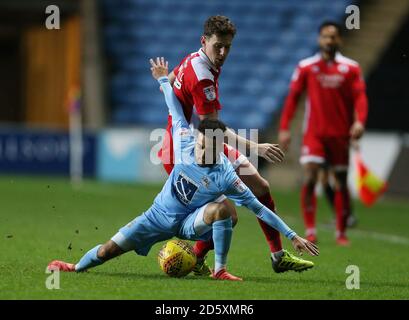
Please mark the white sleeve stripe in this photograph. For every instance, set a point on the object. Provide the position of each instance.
(201, 70)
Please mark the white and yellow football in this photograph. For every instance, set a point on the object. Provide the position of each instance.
(176, 258)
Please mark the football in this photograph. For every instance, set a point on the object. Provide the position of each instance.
(176, 258)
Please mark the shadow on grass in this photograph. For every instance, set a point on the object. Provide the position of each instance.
(148, 276)
(289, 282)
(273, 280)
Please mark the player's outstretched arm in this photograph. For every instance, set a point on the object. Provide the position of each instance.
(241, 194)
(159, 69)
(271, 152)
(269, 217)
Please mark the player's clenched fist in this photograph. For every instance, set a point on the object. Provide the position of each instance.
(159, 68)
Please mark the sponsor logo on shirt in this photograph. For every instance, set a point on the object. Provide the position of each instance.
(184, 188)
(177, 84)
(210, 93)
(184, 132)
(330, 80)
(239, 186)
(205, 182)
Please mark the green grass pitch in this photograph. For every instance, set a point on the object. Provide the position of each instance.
(42, 219)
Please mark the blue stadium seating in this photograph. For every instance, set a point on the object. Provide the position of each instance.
(272, 37)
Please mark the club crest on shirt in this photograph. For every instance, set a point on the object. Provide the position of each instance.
(343, 68)
(210, 93)
(239, 186)
(205, 182)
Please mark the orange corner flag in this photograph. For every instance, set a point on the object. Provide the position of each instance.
(370, 187)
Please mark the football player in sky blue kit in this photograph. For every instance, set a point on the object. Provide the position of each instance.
(188, 207)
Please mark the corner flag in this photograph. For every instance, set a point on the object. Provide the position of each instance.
(370, 187)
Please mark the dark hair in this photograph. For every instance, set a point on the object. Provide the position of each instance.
(330, 23)
(211, 124)
(219, 25)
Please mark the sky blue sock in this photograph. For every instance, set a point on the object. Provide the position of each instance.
(89, 260)
(222, 233)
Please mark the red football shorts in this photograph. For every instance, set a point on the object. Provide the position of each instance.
(333, 151)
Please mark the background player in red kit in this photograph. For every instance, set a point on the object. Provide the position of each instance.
(336, 111)
(195, 83)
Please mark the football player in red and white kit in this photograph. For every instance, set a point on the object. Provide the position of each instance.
(336, 112)
(195, 83)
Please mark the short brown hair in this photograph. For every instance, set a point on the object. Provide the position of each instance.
(211, 124)
(219, 25)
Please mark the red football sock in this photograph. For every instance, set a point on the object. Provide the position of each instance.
(342, 209)
(309, 209)
(271, 234)
(201, 248)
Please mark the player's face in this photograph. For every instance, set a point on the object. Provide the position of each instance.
(217, 48)
(329, 39)
(207, 150)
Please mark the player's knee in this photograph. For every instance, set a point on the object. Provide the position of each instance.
(341, 180)
(234, 218)
(311, 171)
(221, 212)
(341, 185)
(108, 251)
(310, 183)
(103, 252)
(310, 179)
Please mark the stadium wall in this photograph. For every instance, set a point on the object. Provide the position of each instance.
(119, 155)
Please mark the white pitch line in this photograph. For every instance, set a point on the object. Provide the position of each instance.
(381, 236)
(391, 238)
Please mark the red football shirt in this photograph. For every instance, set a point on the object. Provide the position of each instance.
(196, 87)
(196, 84)
(335, 96)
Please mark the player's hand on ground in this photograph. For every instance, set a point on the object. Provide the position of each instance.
(271, 152)
(159, 68)
(284, 139)
(357, 130)
(303, 245)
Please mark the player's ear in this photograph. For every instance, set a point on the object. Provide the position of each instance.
(203, 40)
